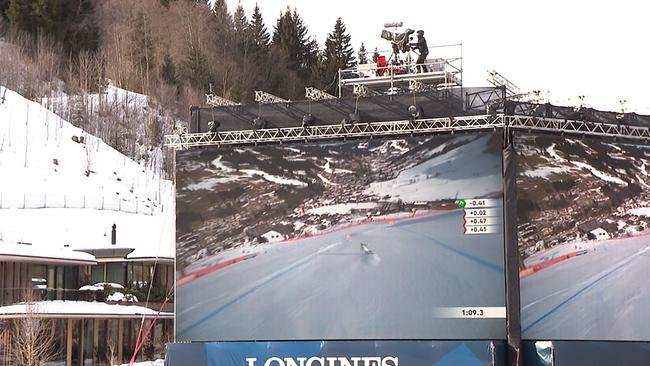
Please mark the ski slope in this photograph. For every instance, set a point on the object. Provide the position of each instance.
(324, 287)
(466, 170)
(602, 295)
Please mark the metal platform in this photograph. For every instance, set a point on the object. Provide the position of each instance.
(400, 72)
(392, 80)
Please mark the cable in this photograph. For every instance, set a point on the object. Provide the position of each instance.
(151, 280)
(140, 342)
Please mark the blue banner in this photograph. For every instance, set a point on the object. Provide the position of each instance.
(338, 353)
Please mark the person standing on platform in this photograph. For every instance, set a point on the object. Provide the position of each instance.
(423, 49)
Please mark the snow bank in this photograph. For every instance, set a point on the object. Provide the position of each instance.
(157, 362)
(341, 208)
(640, 211)
(118, 296)
(274, 178)
(545, 171)
(60, 307)
(600, 174)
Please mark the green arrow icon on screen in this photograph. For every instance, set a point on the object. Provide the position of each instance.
(461, 203)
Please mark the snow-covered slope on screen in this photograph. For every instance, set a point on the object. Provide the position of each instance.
(62, 186)
(445, 176)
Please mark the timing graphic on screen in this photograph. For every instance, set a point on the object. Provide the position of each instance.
(584, 213)
(365, 239)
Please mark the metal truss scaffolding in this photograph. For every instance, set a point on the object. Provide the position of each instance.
(265, 98)
(587, 128)
(312, 93)
(217, 101)
(408, 127)
(338, 131)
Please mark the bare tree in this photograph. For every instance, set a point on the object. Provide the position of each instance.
(32, 339)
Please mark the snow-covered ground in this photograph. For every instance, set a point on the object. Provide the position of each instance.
(59, 307)
(341, 208)
(62, 187)
(157, 362)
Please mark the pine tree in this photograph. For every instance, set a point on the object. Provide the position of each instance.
(290, 37)
(259, 34)
(28, 15)
(69, 21)
(239, 19)
(168, 71)
(222, 25)
(242, 29)
(375, 55)
(241, 89)
(195, 67)
(338, 53)
(363, 55)
(4, 5)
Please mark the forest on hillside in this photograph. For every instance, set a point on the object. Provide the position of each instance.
(169, 50)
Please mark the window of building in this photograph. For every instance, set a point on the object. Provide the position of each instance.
(139, 274)
(97, 273)
(116, 273)
(38, 275)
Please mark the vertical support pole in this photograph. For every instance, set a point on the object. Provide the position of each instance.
(68, 343)
(82, 339)
(461, 68)
(511, 252)
(120, 339)
(95, 341)
(11, 268)
(339, 83)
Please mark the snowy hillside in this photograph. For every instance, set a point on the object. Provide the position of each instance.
(566, 183)
(73, 187)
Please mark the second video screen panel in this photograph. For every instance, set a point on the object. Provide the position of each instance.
(584, 211)
(366, 239)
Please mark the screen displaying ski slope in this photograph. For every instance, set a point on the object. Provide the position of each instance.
(584, 213)
(364, 239)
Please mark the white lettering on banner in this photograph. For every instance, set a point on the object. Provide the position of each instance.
(372, 361)
(292, 362)
(320, 360)
(345, 362)
(327, 361)
(278, 361)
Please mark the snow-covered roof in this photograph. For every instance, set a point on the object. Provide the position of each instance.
(78, 309)
(13, 252)
(57, 191)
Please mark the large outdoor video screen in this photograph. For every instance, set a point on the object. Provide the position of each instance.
(364, 239)
(584, 211)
